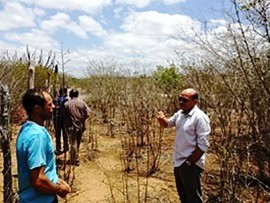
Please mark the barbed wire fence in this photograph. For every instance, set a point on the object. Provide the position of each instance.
(8, 194)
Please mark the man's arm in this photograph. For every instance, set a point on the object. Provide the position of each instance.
(86, 110)
(203, 130)
(162, 119)
(196, 155)
(40, 182)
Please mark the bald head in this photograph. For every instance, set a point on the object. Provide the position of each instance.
(188, 99)
(190, 93)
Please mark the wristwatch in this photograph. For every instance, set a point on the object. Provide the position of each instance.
(188, 163)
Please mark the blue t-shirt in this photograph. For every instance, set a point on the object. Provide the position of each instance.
(34, 148)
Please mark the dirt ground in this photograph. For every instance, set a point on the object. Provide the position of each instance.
(91, 182)
(99, 177)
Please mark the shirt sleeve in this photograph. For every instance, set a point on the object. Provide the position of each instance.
(203, 130)
(172, 120)
(36, 152)
(86, 110)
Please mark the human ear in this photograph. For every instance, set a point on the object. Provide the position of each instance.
(37, 108)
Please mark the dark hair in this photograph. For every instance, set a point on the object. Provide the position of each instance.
(62, 91)
(195, 96)
(31, 98)
(73, 93)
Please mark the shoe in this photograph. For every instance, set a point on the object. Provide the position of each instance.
(65, 150)
(77, 162)
(57, 152)
(74, 163)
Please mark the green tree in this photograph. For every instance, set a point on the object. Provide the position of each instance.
(170, 83)
(167, 78)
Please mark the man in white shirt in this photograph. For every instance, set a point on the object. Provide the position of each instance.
(192, 130)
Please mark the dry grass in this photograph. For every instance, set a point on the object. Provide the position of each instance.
(101, 178)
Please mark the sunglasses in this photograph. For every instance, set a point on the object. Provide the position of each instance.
(182, 99)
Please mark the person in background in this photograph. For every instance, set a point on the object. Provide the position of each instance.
(192, 129)
(76, 112)
(58, 121)
(37, 177)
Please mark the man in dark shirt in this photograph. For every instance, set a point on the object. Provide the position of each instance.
(59, 121)
(76, 112)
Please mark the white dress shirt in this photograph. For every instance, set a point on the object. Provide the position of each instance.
(192, 130)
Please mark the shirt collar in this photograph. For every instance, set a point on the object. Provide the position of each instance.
(191, 112)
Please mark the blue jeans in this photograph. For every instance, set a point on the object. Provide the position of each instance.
(188, 183)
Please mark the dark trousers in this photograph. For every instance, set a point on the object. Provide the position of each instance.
(188, 183)
(74, 137)
(59, 130)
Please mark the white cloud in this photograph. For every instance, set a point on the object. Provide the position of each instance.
(137, 3)
(144, 3)
(74, 28)
(169, 2)
(36, 38)
(63, 21)
(149, 36)
(55, 22)
(88, 6)
(159, 24)
(129, 43)
(118, 11)
(215, 23)
(218, 21)
(15, 15)
(152, 50)
(8, 48)
(91, 25)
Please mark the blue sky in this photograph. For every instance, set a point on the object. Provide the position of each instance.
(125, 31)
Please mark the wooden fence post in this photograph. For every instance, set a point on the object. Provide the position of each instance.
(5, 143)
(31, 75)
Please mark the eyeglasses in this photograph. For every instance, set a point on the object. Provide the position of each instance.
(182, 99)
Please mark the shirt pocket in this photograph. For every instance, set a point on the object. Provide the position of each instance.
(189, 128)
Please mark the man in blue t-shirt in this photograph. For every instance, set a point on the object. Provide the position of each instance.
(37, 177)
